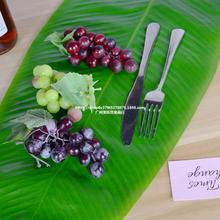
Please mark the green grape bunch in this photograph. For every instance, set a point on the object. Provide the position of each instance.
(44, 76)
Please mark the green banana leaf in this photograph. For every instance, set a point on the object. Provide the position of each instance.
(66, 191)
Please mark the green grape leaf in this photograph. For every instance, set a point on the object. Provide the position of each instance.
(57, 39)
(77, 89)
(33, 118)
(18, 132)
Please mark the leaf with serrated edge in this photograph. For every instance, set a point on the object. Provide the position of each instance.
(77, 89)
(34, 118)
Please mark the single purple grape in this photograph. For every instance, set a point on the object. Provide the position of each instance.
(105, 60)
(83, 53)
(80, 31)
(84, 159)
(91, 62)
(125, 54)
(64, 124)
(87, 133)
(74, 60)
(45, 152)
(115, 51)
(96, 169)
(91, 36)
(86, 147)
(73, 150)
(39, 135)
(84, 42)
(34, 146)
(73, 47)
(76, 138)
(109, 43)
(95, 143)
(102, 155)
(98, 51)
(67, 31)
(58, 154)
(130, 66)
(64, 134)
(99, 39)
(115, 65)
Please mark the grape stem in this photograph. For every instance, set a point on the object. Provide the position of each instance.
(39, 161)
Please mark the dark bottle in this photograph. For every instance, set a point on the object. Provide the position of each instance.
(8, 32)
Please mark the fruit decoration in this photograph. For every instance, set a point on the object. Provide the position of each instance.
(81, 45)
(46, 139)
(58, 90)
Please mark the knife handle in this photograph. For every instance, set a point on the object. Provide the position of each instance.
(150, 37)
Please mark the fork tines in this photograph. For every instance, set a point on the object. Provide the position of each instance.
(149, 118)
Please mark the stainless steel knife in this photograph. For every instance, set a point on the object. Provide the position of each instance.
(131, 112)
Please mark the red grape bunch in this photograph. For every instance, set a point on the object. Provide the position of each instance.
(96, 49)
(56, 141)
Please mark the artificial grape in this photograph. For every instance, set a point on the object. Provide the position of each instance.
(102, 155)
(64, 124)
(53, 107)
(41, 98)
(83, 53)
(109, 43)
(105, 60)
(87, 133)
(58, 154)
(73, 150)
(96, 169)
(80, 31)
(58, 75)
(76, 138)
(86, 147)
(84, 159)
(98, 51)
(52, 95)
(130, 66)
(115, 51)
(65, 104)
(91, 62)
(125, 54)
(36, 71)
(34, 146)
(84, 42)
(43, 70)
(42, 128)
(99, 39)
(115, 65)
(91, 36)
(50, 127)
(64, 134)
(91, 46)
(95, 143)
(74, 60)
(68, 43)
(41, 82)
(73, 47)
(74, 114)
(39, 135)
(45, 152)
(67, 31)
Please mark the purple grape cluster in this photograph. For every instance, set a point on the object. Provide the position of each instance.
(55, 141)
(96, 49)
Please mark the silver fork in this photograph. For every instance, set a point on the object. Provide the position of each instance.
(154, 99)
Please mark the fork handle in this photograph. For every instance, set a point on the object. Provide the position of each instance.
(175, 39)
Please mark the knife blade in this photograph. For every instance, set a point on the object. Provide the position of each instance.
(131, 112)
